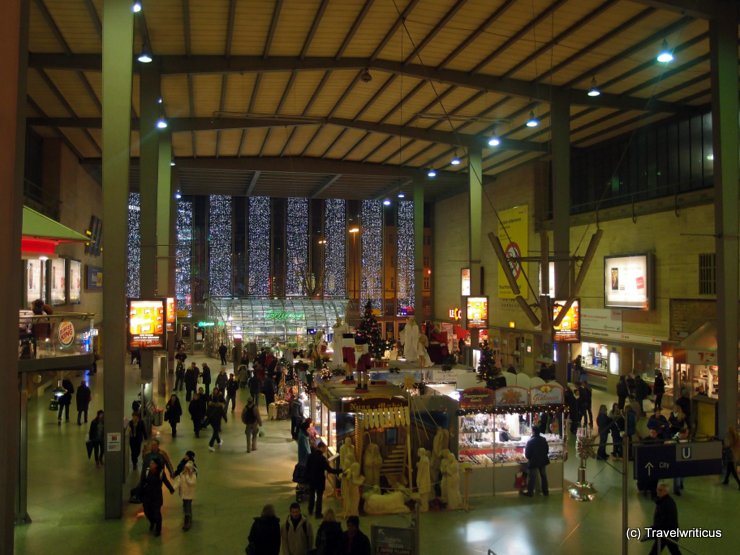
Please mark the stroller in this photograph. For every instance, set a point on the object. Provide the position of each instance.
(301, 488)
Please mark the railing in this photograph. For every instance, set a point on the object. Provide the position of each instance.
(52, 340)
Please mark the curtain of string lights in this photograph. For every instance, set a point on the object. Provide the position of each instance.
(296, 232)
(335, 235)
(259, 246)
(371, 274)
(184, 254)
(405, 254)
(220, 264)
(133, 281)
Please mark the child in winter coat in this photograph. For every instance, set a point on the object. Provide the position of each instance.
(187, 474)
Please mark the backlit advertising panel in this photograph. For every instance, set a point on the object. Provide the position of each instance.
(477, 313)
(569, 330)
(74, 282)
(465, 282)
(146, 323)
(57, 280)
(628, 281)
(171, 314)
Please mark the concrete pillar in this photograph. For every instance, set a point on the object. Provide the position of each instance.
(475, 180)
(118, 37)
(724, 61)
(560, 130)
(13, 63)
(165, 237)
(419, 250)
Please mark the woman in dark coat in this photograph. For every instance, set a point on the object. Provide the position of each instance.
(264, 536)
(136, 436)
(329, 535)
(172, 413)
(197, 409)
(151, 496)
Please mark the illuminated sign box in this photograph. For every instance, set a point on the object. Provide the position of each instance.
(477, 313)
(171, 314)
(628, 281)
(146, 323)
(74, 281)
(569, 330)
(465, 282)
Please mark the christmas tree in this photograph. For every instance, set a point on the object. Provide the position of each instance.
(369, 329)
(486, 365)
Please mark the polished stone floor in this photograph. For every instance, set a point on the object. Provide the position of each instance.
(66, 501)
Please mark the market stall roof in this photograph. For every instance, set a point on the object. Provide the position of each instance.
(703, 338)
(332, 394)
(36, 225)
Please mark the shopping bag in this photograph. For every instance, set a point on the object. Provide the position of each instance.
(53, 404)
(89, 445)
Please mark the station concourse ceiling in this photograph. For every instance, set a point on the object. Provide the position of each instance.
(356, 99)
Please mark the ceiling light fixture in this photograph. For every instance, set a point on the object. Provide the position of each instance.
(455, 160)
(532, 121)
(594, 90)
(401, 194)
(172, 163)
(366, 76)
(665, 56)
(710, 157)
(494, 141)
(161, 123)
(145, 57)
(178, 195)
(136, 7)
(387, 202)
(431, 173)
(160, 100)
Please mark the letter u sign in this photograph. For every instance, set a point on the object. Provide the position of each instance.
(686, 452)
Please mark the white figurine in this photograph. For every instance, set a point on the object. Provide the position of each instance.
(452, 478)
(351, 482)
(424, 359)
(410, 341)
(423, 479)
(377, 503)
(372, 462)
(441, 441)
(443, 462)
(347, 453)
(340, 328)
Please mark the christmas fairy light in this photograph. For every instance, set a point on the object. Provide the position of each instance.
(405, 254)
(296, 231)
(259, 246)
(371, 279)
(184, 255)
(335, 235)
(133, 280)
(219, 245)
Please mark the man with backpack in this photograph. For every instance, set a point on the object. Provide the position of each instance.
(297, 535)
(252, 422)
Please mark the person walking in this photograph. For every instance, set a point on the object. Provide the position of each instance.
(187, 474)
(172, 413)
(255, 386)
(329, 535)
(197, 409)
(232, 386)
(97, 437)
(536, 452)
(730, 455)
(316, 468)
(215, 412)
(584, 404)
(296, 534)
(268, 388)
(151, 495)
(574, 416)
(604, 423)
(191, 381)
(264, 535)
(83, 397)
(617, 427)
(304, 443)
(659, 389)
(354, 542)
(622, 392)
(206, 373)
(252, 422)
(296, 416)
(65, 400)
(221, 380)
(222, 350)
(157, 454)
(665, 519)
(642, 391)
(179, 375)
(136, 436)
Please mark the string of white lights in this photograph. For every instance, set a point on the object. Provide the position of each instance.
(184, 255)
(259, 247)
(371, 270)
(220, 264)
(405, 255)
(335, 235)
(133, 266)
(296, 231)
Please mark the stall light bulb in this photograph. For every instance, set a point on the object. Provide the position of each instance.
(161, 123)
(145, 57)
(387, 202)
(431, 173)
(665, 56)
(532, 121)
(594, 90)
(494, 141)
(401, 194)
(136, 8)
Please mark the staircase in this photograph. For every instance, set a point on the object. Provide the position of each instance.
(394, 467)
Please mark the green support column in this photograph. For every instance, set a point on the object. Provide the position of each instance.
(118, 37)
(475, 178)
(724, 61)
(148, 185)
(13, 38)
(164, 238)
(560, 130)
(419, 250)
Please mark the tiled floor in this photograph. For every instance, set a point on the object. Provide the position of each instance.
(66, 502)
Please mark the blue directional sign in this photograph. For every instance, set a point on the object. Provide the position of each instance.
(669, 460)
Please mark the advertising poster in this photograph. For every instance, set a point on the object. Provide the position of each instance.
(171, 314)
(477, 398)
(388, 540)
(146, 324)
(477, 313)
(58, 280)
(94, 278)
(569, 330)
(74, 281)
(513, 232)
(465, 282)
(33, 281)
(627, 281)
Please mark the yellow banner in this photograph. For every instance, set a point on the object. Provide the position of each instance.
(513, 232)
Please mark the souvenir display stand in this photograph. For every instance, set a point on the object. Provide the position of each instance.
(378, 415)
(493, 430)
